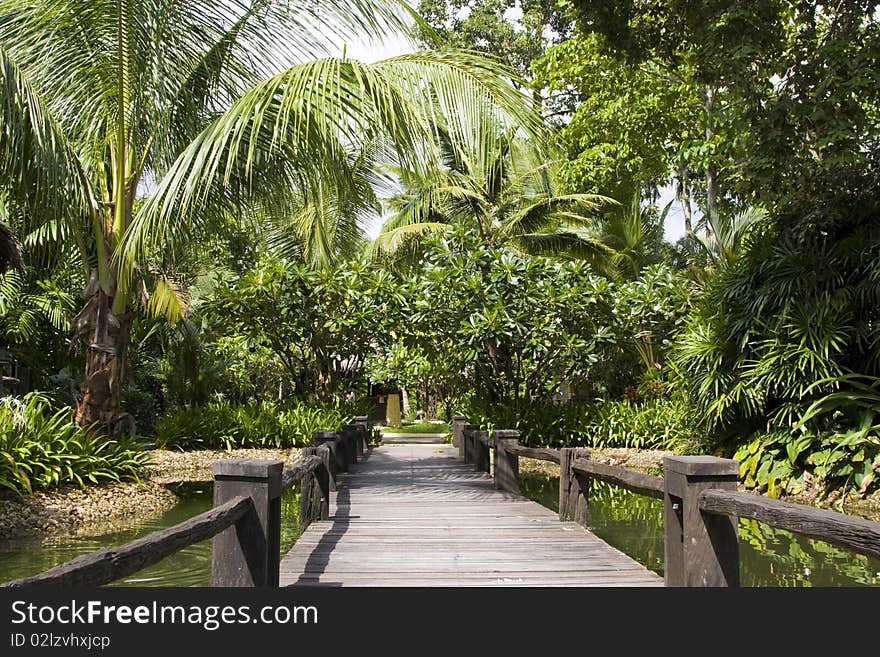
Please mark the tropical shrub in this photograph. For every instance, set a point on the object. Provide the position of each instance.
(835, 445)
(777, 327)
(812, 463)
(662, 423)
(221, 425)
(318, 325)
(43, 448)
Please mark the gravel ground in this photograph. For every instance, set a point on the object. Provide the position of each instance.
(113, 507)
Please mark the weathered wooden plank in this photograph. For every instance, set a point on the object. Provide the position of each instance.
(414, 515)
(856, 534)
(294, 475)
(539, 453)
(104, 566)
(629, 479)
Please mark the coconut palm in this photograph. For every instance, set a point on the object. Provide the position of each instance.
(503, 188)
(131, 125)
(633, 232)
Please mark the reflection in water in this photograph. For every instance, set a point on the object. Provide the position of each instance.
(189, 567)
(768, 556)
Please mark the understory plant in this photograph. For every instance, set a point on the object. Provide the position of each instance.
(222, 425)
(43, 448)
(835, 445)
(662, 423)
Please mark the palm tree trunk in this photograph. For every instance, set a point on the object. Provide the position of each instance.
(107, 336)
(683, 192)
(711, 170)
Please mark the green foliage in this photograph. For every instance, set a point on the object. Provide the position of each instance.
(786, 462)
(422, 427)
(503, 188)
(221, 425)
(628, 124)
(42, 449)
(142, 406)
(321, 325)
(485, 26)
(510, 327)
(775, 329)
(654, 424)
(836, 444)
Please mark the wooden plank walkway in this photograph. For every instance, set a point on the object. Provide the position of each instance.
(416, 515)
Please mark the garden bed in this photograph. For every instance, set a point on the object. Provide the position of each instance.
(104, 508)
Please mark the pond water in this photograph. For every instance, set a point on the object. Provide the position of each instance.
(189, 567)
(632, 523)
(768, 557)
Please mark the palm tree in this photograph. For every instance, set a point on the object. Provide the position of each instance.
(726, 234)
(134, 124)
(501, 186)
(632, 233)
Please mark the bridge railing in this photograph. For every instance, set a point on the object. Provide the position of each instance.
(244, 523)
(701, 503)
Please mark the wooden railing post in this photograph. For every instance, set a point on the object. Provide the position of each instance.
(700, 549)
(482, 451)
(574, 488)
(506, 462)
(458, 422)
(248, 554)
(468, 433)
(330, 455)
(351, 436)
(363, 424)
(314, 502)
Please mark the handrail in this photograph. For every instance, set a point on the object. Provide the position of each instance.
(109, 564)
(247, 496)
(539, 453)
(295, 474)
(624, 477)
(857, 534)
(701, 503)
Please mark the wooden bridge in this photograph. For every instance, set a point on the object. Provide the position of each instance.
(418, 515)
(439, 515)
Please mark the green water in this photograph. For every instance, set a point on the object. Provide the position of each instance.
(189, 567)
(768, 557)
(630, 522)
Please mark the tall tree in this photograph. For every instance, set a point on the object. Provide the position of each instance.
(668, 77)
(517, 31)
(135, 123)
(505, 191)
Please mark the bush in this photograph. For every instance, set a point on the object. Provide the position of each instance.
(652, 424)
(221, 425)
(143, 408)
(793, 462)
(42, 449)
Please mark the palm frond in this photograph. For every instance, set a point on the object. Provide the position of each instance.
(310, 114)
(570, 244)
(38, 165)
(167, 300)
(577, 210)
(392, 240)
